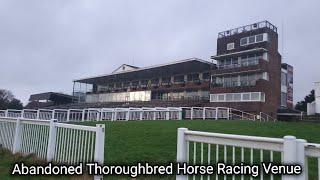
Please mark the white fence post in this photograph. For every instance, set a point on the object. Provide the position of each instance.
(191, 113)
(180, 114)
(53, 113)
(294, 153)
(167, 115)
(302, 160)
(17, 137)
(217, 109)
(99, 147)
(6, 113)
(181, 150)
(52, 140)
(83, 114)
(68, 115)
(38, 113)
(204, 113)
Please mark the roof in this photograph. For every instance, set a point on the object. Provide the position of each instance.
(48, 96)
(125, 67)
(176, 67)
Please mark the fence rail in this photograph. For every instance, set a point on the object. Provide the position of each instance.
(97, 114)
(144, 113)
(53, 141)
(194, 147)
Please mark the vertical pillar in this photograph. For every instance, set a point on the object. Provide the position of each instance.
(302, 160)
(53, 113)
(204, 113)
(83, 114)
(99, 147)
(128, 114)
(17, 137)
(180, 114)
(68, 115)
(294, 153)
(217, 109)
(191, 113)
(38, 113)
(167, 114)
(228, 113)
(181, 150)
(6, 113)
(51, 140)
(22, 113)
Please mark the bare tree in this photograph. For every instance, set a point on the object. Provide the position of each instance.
(8, 101)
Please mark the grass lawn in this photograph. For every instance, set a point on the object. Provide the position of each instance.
(155, 141)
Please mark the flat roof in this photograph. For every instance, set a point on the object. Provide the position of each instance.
(184, 66)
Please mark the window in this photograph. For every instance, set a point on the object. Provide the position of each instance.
(255, 96)
(221, 97)
(230, 46)
(246, 96)
(213, 97)
(229, 97)
(243, 41)
(259, 38)
(251, 39)
(238, 97)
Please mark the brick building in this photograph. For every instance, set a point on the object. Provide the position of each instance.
(248, 76)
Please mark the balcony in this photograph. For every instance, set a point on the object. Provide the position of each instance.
(256, 65)
(244, 63)
(250, 27)
(236, 84)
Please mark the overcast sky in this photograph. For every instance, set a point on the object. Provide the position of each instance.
(44, 45)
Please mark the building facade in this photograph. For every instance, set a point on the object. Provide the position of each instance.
(248, 76)
(187, 79)
(248, 73)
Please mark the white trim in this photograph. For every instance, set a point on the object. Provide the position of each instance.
(265, 38)
(230, 46)
(261, 97)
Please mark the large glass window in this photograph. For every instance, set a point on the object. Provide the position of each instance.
(238, 97)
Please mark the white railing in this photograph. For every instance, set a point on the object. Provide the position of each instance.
(194, 147)
(53, 141)
(97, 114)
(216, 113)
(144, 113)
(2, 113)
(263, 117)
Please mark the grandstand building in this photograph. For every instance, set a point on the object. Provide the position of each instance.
(248, 75)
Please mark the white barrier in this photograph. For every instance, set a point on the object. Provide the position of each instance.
(53, 141)
(194, 147)
(144, 113)
(216, 113)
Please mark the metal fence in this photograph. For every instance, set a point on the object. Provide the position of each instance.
(194, 147)
(53, 141)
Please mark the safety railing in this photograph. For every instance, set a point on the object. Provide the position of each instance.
(263, 117)
(53, 141)
(144, 113)
(216, 113)
(203, 148)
